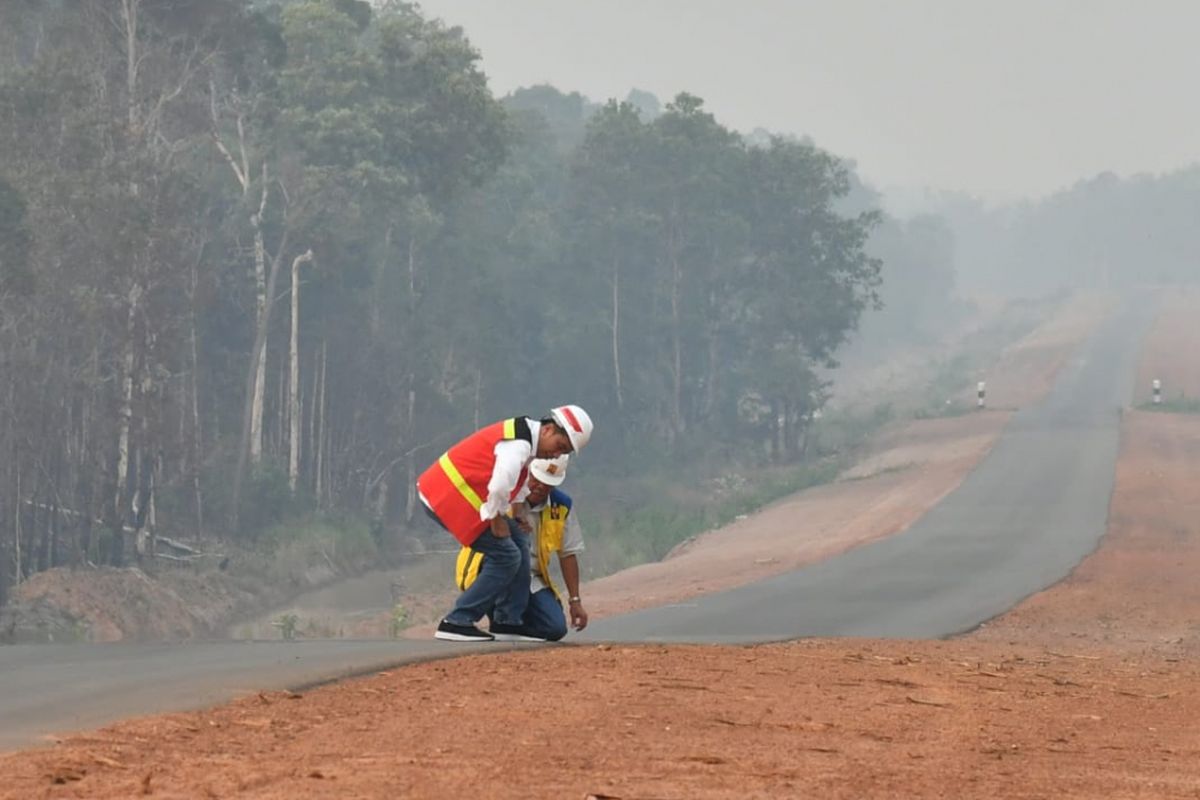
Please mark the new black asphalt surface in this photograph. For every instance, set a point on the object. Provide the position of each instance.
(46, 688)
(1032, 510)
(1021, 521)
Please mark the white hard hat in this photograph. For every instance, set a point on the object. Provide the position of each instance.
(550, 471)
(576, 422)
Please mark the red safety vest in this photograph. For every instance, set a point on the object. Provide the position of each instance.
(455, 486)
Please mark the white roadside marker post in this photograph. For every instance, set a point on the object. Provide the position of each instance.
(981, 393)
(1156, 386)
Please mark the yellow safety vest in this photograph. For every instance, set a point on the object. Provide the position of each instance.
(549, 539)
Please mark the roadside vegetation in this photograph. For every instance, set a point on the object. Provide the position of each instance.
(1179, 404)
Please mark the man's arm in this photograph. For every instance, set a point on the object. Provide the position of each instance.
(520, 513)
(511, 457)
(570, 572)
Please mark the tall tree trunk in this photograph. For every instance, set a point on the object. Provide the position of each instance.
(710, 385)
(129, 15)
(377, 298)
(197, 434)
(92, 402)
(320, 459)
(478, 398)
(260, 343)
(410, 458)
(278, 429)
(382, 496)
(310, 444)
(294, 377)
(124, 420)
(240, 167)
(616, 335)
(779, 426)
(410, 471)
(260, 366)
(144, 493)
(676, 345)
(130, 10)
(18, 572)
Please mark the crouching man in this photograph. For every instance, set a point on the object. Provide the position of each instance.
(468, 492)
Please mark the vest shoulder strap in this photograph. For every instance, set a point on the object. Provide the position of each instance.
(560, 498)
(518, 428)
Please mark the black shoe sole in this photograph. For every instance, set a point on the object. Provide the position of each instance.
(462, 637)
(516, 637)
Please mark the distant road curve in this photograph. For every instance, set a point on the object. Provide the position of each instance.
(1024, 517)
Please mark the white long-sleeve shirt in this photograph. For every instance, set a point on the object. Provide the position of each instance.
(512, 456)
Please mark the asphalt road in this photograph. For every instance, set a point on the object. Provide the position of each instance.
(61, 687)
(1021, 521)
(1031, 511)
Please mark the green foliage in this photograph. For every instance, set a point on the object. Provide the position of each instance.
(472, 258)
(565, 115)
(942, 397)
(719, 276)
(918, 279)
(267, 500)
(16, 242)
(1102, 232)
(399, 620)
(287, 625)
(323, 544)
(655, 512)
(839, 432)
(1180, 404)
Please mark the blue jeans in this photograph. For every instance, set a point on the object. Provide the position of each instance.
(544, 616)
(502, 586)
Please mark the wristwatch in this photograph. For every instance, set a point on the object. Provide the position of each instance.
(575, 600)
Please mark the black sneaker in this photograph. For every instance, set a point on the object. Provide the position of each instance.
(461, 633)
(513, 633)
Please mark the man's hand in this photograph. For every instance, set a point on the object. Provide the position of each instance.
(499, 527)
(520, 514)
(579, 617)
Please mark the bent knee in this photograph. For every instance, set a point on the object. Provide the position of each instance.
(507, 557)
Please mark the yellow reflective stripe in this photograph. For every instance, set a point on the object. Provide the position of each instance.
(469, 566)
(459, 481)
(464, 559)
(548, 545)
(510, 429)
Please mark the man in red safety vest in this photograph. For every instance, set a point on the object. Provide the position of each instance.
(468, 492)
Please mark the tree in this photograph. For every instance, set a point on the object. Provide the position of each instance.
(15, 242)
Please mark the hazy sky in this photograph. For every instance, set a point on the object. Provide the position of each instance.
(1002, 99)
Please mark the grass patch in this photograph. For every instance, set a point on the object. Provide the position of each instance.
(295, 550)
(646, 531)
(638, 519)
(842, 430)
(1175, 405)
(943, 394)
